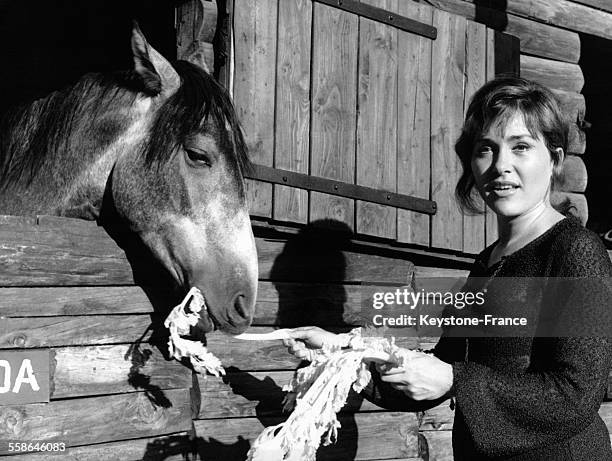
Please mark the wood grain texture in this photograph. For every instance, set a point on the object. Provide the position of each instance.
(574, 176)
(278, 303)
(237, 355)
(175, 447)
(241, 394)
(97, 370)
(438, 445)
(448, 68)
(439, 418)
(492, 71)
(48, 255)
(255, 39)
(361, 437)
(292, 124)
(80, 252)
(553, 74)
(334, 109)
(414, 123)
(53, 301)
(536, 38)
(563, 13)
(72, 331)
(377, 121)
(97, 419)
(475, 77)
(599, 4)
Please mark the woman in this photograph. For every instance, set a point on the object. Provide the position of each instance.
(535, 395)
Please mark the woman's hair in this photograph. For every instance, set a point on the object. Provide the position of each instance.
(496, 103)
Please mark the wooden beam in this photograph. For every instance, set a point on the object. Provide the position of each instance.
(562, 13)
(553, 74)
(98, 419)
(361, 437)
(537, 39)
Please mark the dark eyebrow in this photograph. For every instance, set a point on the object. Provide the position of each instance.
(520, 136)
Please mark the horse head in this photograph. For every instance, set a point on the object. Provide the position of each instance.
(183, 192)
(166, 151)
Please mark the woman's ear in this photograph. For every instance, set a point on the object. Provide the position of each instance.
(558, 158)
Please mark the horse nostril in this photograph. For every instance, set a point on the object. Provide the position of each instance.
(241, 306)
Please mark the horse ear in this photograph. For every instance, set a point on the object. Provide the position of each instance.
(156, 72)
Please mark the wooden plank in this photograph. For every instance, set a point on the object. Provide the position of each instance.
(71, 331)
(577, 140)
(536, 39)
(361, 437)
(574, 176)
(475, 77)
(53, 301)
(277, 302)
(376, 156)
(45, 256)
(97, 370)
(492, 71)
(255, 39)
(414, 123)
(237, 355)
(78, 253)
(333, 116)
(297, 304)
(196, 21)
(448, 68)
(578, 202)
(241, 394)
(599, 4)
(553, 74)
(292, 124)
(313, 257)
(176, 447)
(563, 13)
(97, 419)
(438, 418)
(438, 445)
(572, 104)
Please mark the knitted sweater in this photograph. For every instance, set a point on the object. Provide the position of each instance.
(532, 398)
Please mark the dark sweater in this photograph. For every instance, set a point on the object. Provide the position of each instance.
(532, 398)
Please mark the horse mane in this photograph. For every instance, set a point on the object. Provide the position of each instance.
(31, 133)
(198, 98)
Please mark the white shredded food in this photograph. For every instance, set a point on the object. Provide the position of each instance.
(317, 392)
(183, 316)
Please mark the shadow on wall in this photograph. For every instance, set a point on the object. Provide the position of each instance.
(596, 64)
(307, 275)
(48, 45)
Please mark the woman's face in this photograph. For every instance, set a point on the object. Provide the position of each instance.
(512, 169)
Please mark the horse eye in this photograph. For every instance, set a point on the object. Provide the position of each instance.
(198, 158)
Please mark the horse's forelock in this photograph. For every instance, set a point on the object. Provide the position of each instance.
(198, 99)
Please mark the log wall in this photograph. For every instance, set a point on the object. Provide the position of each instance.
(550, 36)
(66, 287)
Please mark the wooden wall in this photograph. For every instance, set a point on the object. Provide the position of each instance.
(328, 93)
(66, 287)
(551, 33)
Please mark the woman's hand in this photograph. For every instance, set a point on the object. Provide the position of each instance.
(425, 377)
(305, 339)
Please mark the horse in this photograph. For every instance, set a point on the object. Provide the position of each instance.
(159, 149)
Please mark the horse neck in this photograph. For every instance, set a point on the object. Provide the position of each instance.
(71, 179)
